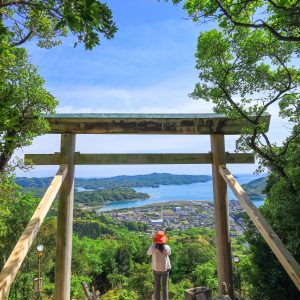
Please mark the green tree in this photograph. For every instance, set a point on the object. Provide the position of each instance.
(176, 291)
(22, 287)
(23, 101)
(141, 281)
(187, 255)
(120, 295)
(278, 17)
(282, 211)
(243, 73)
(12, 221)
(206, 275)
(46, 21)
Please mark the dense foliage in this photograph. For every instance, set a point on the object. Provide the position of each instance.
(243, 73)
(47, 21)
(282, 211)
(23, 101)
(16, 209)
(280, 18)
(112, 258)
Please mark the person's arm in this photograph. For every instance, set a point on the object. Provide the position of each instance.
(167, 250)
(150, 250)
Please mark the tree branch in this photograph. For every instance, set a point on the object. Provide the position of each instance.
(278, 96)
(263, 25)
(272, 160)
(21, 2)
(23, 40)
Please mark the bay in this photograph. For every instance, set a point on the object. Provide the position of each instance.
(200, 191)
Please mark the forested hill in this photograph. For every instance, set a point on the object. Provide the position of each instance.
(149, 180)
(255, 188)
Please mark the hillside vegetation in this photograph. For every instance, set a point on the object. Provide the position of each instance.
(112, 258)
(255, 189)
(149, 180)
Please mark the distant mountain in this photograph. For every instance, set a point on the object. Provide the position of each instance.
(33, 182)
(255, 188)
(149, 180)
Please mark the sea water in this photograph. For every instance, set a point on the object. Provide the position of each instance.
(200, 191)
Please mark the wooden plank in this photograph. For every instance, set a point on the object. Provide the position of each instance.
(147, 159)
(137, 158)
(223, 243)
(65, 222)
(17, 256)
(240, 158)
(42, 159)
(148, 123)
(282, 253)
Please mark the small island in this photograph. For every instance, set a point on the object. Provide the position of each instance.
(104, 196)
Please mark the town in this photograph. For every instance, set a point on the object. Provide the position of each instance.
(179, 215)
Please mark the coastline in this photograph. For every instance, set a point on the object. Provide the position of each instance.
(177, 202)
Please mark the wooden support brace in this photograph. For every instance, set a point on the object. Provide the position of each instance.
(282, 253)
(17, 256)
(136, 158)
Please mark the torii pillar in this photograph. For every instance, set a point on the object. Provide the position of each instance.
(223, 243)
(65, 221)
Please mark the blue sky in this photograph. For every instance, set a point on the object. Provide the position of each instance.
(147, 68)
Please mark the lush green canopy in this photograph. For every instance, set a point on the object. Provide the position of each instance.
(46, 21)
(23, 101)
(244, 72)
(279, 17)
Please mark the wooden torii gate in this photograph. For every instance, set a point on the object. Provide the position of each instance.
(68, 125)
(215, 125)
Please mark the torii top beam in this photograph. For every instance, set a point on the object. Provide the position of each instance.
(149, 124)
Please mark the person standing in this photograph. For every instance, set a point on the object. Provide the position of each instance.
(160, 264)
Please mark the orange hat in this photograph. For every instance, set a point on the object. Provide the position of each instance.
(160, 238)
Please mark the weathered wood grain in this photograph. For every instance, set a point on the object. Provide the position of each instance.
(223, 242)
(65, 222)
(148, 124)
(137, 158)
